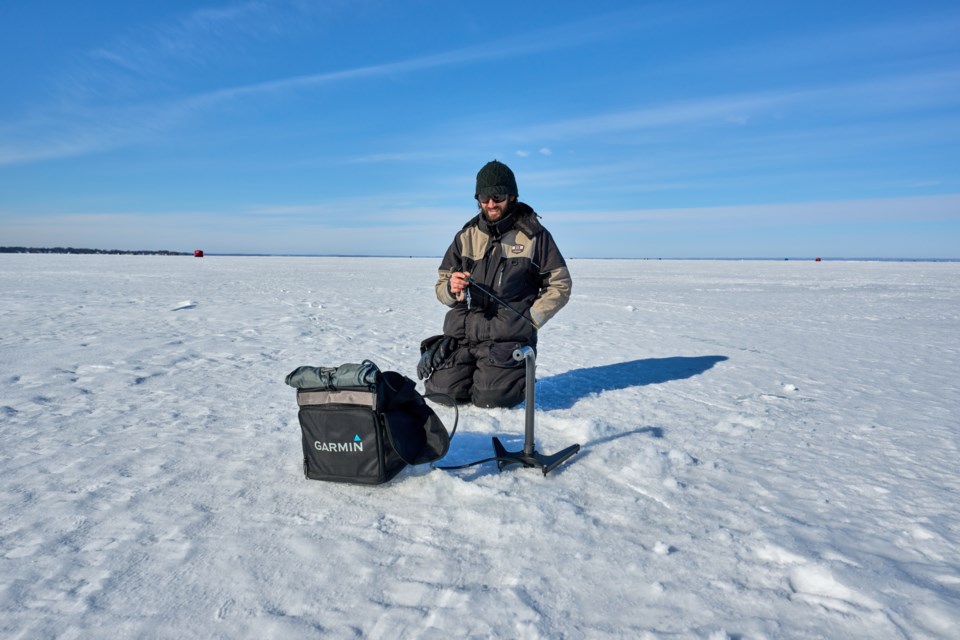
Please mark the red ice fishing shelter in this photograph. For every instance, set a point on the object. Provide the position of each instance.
(198, 253)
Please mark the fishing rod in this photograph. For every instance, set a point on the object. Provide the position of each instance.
(500, 300)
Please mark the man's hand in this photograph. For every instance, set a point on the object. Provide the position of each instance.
(459, 284)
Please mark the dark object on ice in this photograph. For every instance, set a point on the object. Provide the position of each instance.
(198, 253)
(363, 426)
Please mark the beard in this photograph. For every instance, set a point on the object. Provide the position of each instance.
(500, 210)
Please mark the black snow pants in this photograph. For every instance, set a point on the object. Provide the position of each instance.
(485, 374)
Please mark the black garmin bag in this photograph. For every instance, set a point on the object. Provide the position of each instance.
(363, 426)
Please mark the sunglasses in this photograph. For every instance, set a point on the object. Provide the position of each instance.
(495, 197)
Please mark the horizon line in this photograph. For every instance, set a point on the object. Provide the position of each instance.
(190, 254)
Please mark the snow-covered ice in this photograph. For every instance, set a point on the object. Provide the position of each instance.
(769, 451)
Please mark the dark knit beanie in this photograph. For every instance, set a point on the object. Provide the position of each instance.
(496, 179)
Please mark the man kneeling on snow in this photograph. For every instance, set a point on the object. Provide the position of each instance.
(521, 282)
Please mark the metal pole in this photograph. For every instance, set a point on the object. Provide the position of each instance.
(529, 456)
(527, 354)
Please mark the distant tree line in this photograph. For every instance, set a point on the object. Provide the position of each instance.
(112, 252)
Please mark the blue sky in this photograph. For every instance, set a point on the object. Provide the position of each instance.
(636, 129)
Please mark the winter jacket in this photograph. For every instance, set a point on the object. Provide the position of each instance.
(518, 261)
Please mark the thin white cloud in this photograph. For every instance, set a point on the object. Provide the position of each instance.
(260, 230)
(834, 43)
(906, 209)
(81, 130)
(547, 40)
(352, 223)
(929, 90)
(200, 35)
(191, 38)
(397, 156)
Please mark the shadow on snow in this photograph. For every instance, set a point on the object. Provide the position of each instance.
(562, 391)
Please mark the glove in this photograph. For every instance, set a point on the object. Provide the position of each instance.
(427, 351)
(433, 352)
